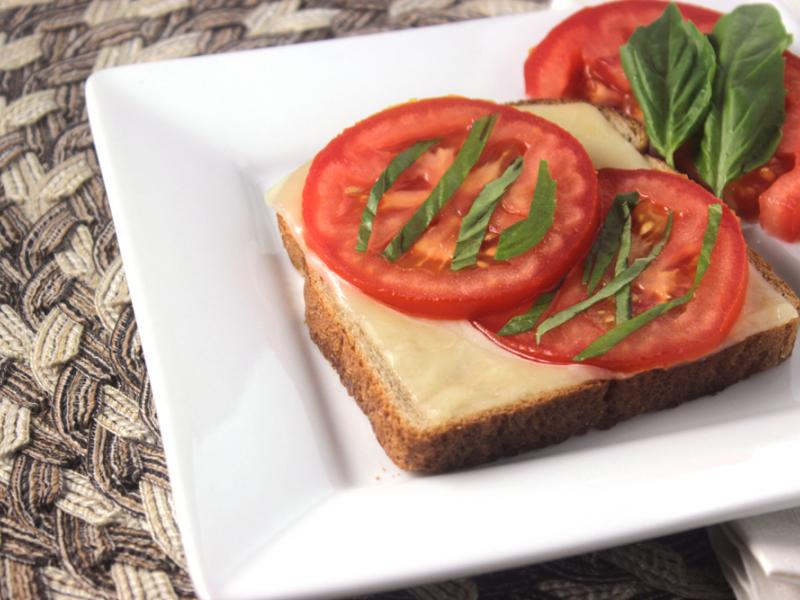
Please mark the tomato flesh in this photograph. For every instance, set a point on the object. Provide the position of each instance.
(682, 334)
(421, 281)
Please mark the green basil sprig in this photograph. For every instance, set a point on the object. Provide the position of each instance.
(608, 240)
(525, 234)
(612, 337)
(671, 67)
(385, 180)
(610, 289)
(473, 227)
(526, 321)
(743, 128)
(457, 172)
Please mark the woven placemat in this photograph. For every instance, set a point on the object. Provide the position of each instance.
(85, 503)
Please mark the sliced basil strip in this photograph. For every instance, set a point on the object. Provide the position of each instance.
(671, 67)
(709, 241)
(385, 180)
(526, 321)
(612, 337)
(473, 227)
(623, 297)
(524, 235)
(610, 289)
(608, 240)
(457, 172)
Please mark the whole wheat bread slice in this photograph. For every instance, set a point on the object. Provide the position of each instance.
(529, 422)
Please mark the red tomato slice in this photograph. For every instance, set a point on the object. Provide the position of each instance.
(681, 335)
(579, 58)
(421, 281)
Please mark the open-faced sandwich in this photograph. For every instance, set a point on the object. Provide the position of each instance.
(489, 279)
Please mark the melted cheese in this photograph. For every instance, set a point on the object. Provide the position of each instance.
(604, 145)
(449, 368)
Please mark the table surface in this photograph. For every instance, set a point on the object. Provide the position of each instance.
(85, 504)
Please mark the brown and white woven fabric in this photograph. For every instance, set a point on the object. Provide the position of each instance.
(85, 503)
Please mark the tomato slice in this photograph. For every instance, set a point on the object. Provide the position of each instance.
(421, 281)
(682, 334)
(579, 58)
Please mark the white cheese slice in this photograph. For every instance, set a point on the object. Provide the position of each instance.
(451, 369)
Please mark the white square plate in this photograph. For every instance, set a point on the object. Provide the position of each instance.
(279, 487)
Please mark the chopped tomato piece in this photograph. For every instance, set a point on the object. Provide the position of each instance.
(743, 194)
(780, 207)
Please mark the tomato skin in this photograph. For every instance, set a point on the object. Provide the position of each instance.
(579, 58)
(421, 282)
(681, 335)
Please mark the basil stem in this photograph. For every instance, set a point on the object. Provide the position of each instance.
(525, 234)
(671, 66)
(473, 227)
(623, 297)
(612, 337)
(457, 172)
(526, 321)
(608, 240)
(610, 289)
(743, 128)
(385, 180)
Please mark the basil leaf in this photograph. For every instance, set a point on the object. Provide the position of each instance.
(526, 321)
(612, 337)
(610, 289)
(457, 172)
(743, 128)
(399, 164)
(473, 227)
(608, 240)
(623, 297)
(525, 234)
(670, 66)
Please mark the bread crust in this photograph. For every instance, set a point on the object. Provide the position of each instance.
(529, 423)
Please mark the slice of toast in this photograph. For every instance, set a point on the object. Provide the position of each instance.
(528, 422)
